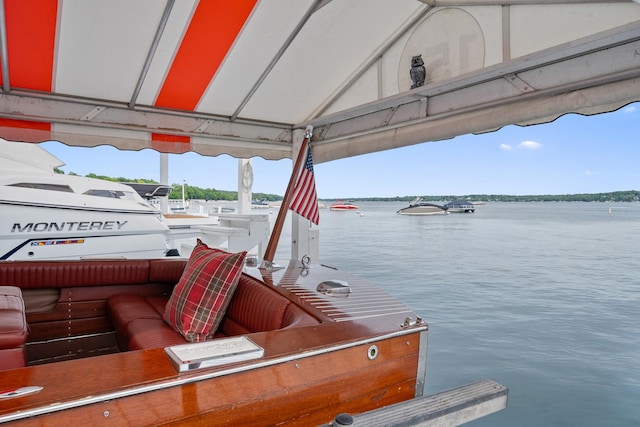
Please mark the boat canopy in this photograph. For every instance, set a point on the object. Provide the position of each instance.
(241, 77)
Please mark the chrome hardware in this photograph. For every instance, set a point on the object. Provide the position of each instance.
(372, 353)
(334, 287)
(308, 133)
(306, 261)
(408, 322)
(270, 266)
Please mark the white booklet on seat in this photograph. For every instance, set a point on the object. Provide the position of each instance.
(187, 357)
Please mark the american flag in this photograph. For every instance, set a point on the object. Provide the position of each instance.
(305, 200)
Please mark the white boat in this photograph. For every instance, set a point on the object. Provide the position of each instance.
(260, 204)
(48, 215)
(343, 206)
(460, 206)
(418, 207)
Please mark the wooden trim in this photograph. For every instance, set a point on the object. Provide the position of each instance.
(71, 348)
(71, 310)
(298, 391)
(68, 328)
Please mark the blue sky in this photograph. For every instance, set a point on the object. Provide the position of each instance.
(574, 154)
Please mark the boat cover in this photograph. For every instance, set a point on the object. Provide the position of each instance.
(242, 77)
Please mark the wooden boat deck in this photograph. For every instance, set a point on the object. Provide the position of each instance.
(363, 301)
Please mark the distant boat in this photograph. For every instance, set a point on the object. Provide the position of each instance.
(260, 204)
(418, 207)
(460, 206)
(346, 206)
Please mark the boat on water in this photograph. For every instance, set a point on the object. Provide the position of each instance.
(418, 207)
(343, 206)
(297, 346)
(260, 204)
(48, 215)
(460, 206)
(90, 339)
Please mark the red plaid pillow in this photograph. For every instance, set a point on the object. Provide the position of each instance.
(202, 295)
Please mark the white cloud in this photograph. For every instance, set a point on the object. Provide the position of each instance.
(505, 147)
(530, 145)
(630, 109)
(589, 173)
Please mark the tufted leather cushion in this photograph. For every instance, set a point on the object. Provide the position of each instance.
(13, 328)
(201, 297)
(254, 308)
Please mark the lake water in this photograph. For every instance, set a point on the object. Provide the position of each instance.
(543, 298)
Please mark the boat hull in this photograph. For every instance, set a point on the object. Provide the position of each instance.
(462, 210)
(422, 210)
(460, 206)
(291, 390)
(343, 207)
(32, 231)
(49, 215)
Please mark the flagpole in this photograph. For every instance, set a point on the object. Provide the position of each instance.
(269, 253)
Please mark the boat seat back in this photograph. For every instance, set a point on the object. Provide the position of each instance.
(13, 328)
(66, 274)
(254, 308)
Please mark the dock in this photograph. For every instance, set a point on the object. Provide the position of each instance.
(453, 407)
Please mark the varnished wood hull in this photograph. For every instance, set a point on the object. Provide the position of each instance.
(143, 388)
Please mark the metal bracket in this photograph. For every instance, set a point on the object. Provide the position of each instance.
(94, 112)
(408, 322)
(518, 83)
(270, 266)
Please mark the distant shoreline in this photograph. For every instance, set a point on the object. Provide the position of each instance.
(192, 192)
(616, 196)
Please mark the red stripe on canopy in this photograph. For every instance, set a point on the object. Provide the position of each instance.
(31, 36)
(213, 29)
(23, 130)
(174, 144)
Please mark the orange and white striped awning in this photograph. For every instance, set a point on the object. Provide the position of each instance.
(242, 76)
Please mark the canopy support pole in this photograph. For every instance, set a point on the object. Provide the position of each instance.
(164, 179)
(245, 186)
(267, 262)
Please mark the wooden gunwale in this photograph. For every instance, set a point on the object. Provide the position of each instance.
(167, 378)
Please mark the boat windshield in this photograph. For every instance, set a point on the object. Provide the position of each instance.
(43, 186)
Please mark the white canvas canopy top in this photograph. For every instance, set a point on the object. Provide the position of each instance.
(242, 77)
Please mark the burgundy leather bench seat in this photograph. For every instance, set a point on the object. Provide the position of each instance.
(13, 328)
(254, 308)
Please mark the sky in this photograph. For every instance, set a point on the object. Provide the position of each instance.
(574, 154)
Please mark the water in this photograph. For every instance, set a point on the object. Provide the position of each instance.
(543, 298)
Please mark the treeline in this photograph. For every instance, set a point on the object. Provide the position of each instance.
(190, 192)
(616, 196)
